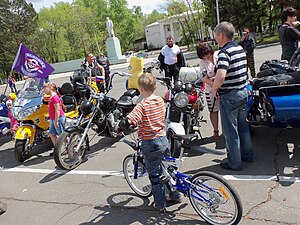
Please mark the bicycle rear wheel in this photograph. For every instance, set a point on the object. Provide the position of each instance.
(222, 205)
(136, 176)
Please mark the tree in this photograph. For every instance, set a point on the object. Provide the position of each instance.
(17, 22)
(189, 15)
(153, 17)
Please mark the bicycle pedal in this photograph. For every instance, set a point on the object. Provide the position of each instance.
(163, 179)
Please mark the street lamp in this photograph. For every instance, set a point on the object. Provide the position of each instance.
(217, 9)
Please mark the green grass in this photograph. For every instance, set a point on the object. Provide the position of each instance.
(267, 40)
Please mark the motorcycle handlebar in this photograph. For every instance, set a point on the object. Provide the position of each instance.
(122, 74)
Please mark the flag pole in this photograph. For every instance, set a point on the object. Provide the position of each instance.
(5, 87)
(11, 70)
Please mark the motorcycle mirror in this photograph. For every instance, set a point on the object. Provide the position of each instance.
(155, 63)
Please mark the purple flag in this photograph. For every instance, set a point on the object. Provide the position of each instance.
(30, 64)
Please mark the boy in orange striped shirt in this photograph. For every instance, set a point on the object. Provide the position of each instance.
(149, 117)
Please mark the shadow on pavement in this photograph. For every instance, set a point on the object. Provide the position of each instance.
(127, 208)
(277, 153)
(103, 144)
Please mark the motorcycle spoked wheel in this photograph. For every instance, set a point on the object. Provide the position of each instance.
(21, 151)
(65, 156)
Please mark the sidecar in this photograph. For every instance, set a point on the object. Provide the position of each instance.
(275, 100)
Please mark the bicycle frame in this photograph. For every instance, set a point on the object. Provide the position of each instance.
(214, 199)
(182, 181)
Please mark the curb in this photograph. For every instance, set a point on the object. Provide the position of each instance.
(268, 45)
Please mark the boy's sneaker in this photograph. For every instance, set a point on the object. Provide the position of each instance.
(161, 210)
(174, 201)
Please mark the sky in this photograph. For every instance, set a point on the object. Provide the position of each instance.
(147, 5)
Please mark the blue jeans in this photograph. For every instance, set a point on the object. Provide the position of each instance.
(235, 127)
(154, 151)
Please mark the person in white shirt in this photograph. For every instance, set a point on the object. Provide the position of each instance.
(171, 59)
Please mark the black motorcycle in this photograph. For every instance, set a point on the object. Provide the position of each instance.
(100, 113)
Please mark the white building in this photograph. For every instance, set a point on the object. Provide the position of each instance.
(157, 33)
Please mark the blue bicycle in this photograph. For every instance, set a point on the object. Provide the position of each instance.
(211, 196)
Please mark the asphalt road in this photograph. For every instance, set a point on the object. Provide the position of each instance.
(38, 193)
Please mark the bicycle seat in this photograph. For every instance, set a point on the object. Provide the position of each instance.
(185, 139)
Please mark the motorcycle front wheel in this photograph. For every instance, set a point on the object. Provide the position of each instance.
(65, 155)
(21, 152)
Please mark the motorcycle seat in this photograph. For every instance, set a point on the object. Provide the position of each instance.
(125, 101)
(68, 99)
(132, 92)
(69, 102)
(185, 139)
(66, 88)
(69, 108)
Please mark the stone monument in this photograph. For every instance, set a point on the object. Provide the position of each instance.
(113, 47)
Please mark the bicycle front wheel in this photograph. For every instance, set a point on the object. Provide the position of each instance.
(136, 176)
(214, 199)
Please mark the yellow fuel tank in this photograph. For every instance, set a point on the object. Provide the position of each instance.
(136, 71)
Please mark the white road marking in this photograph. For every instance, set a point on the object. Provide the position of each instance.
(72, 172)
(118, 173)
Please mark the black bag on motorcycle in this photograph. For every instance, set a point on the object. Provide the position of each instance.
(274, 80)
(273, 67)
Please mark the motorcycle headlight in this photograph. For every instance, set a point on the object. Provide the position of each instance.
(181, 99)
(22, 114)
(15, 111)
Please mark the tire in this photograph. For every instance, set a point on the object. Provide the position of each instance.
(226, 210)
(65, 157)
(141, 184)
(174, 144)
(21, 153)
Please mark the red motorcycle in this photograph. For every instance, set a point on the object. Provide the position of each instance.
(185, 103)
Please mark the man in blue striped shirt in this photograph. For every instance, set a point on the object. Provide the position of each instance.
(229, 86)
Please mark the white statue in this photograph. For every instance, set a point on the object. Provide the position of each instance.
(109, 25)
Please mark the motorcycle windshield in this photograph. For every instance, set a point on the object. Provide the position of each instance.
(29, 99)
(32, 88)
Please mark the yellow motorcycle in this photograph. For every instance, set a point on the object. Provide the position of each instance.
(31, 110)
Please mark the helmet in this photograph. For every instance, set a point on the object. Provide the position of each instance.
(86, 108)
(178, 86)
(188, 87)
